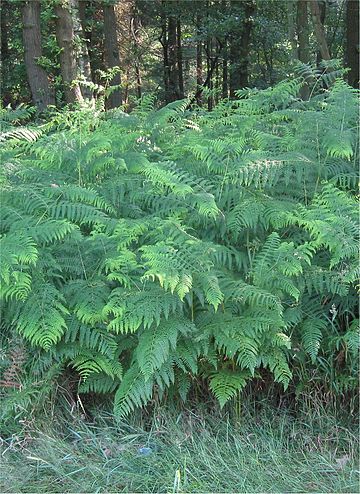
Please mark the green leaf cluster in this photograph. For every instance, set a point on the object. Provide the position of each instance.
(146, 250)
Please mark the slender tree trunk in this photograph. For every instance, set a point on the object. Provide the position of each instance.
(303, 40)
(5, 51)
(217, 75)
(199, 61)
(234, 53)
(134, 32)
(210, 69)
(225, 83)
(352, 41)
(68, 63)
(4, 12)
(322, 11)
(82, 50)
(112, 55)
(240, 48)
(291, 28)
(250, 8)
(174, 90)
(319, 30)
(180, 60)
(165, 45)
(87, 34)
(38, 80)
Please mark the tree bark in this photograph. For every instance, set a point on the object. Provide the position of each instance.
(42, 95)
(291, 28)
(5, 50)
(180, 59)
(302, 24)
(199, 62)
(68, 63)
(225, 87)
(240, 48)
(174, 90)
(134, 32)
(4, 31)
(319, 30)
(112, 55)
(165, 45)
(210, 68)
(352, 41)
(82, 52)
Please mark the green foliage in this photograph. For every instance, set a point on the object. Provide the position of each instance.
(144, 250)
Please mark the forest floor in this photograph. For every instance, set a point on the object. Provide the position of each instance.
(190, 452)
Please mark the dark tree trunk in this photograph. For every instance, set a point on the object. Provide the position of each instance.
(319, 31)
(291, 27)
(218, 82)
(4, 12)
(225, 87)
(174, 90)
(82, 51)
(90, 14)
(250, 8)
(42, 96)
(112, 55)
(134, 22)
(68, 63)
(199, 61)
(240, 48)
(302, 24)
(352, 41)
(322, 12)
(5, 51)
(165, 45)
(225, 71)
(209, 69)
(234, 53)
(180, 60)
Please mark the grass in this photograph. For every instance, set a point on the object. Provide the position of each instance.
(191, 452)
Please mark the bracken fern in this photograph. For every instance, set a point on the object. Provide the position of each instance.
(143, 250)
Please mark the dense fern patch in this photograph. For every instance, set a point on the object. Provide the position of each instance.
(144, 250)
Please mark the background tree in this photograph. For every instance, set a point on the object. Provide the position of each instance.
(112, 52)
(42, 94)
(352, 41)
(204, 50)
(65, 35)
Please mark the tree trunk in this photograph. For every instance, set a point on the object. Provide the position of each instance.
(352, 41)
(319, 30)
(234, 53)
(112, 55)
(209, 69)
(240, 48)
(134, 26)
(303, 40)
(199, 63)
(42, 96)
(225, 74)
(250, 8)
(5, 51)
(82, 51)
(180, 60)
(291, 28)
(174, 90)
(68, 64)
(165, 45)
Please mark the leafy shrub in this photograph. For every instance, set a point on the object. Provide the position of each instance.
(144, 250)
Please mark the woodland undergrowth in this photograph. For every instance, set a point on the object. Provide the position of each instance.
(172, 251)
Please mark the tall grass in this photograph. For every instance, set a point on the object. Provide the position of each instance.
(267, 451)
